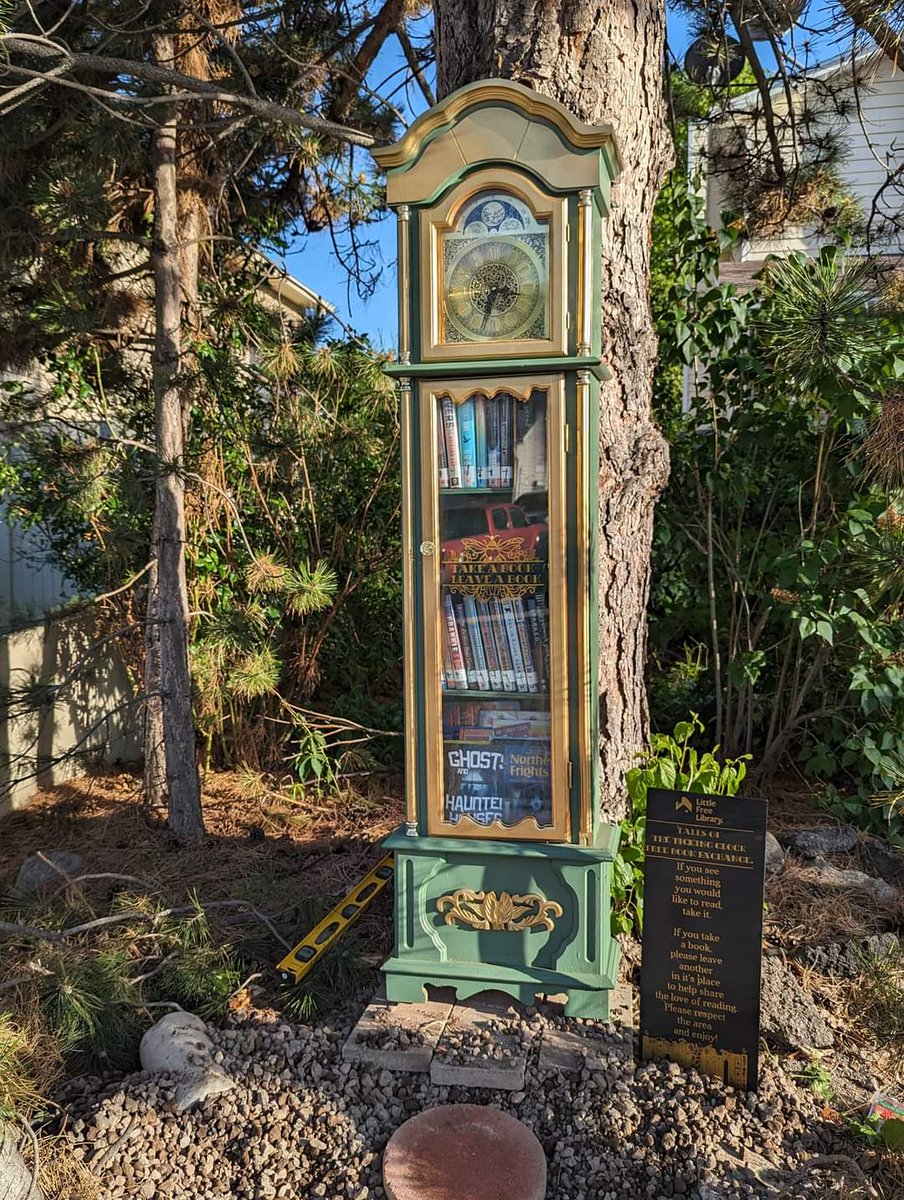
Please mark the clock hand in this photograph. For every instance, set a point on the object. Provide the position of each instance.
(488, 306)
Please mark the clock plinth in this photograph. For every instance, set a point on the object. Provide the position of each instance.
(503, 867)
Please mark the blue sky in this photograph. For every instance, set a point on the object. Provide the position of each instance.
(314, 261)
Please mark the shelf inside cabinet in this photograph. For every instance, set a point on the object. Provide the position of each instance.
(488, 694)
(476, 491)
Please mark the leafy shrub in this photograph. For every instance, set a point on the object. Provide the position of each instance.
(778, 596)
(671, 762)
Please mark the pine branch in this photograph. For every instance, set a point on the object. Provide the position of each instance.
(28, 46)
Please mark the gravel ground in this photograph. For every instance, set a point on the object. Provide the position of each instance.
(303, 1124)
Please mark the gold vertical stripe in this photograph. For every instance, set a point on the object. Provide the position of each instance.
(585, 269)
(582, 649)
(408, 613)
(404, 228)
(430, 567)
(558, 611)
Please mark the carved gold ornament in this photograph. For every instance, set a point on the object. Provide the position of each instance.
(491, 567)
(487, 910)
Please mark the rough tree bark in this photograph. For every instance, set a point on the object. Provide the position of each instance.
(604, 60)
(170, 749)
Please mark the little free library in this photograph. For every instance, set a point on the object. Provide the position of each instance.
(503, 865)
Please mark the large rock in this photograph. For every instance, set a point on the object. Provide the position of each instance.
(848, 959)
(178, 1045)
(813, 843)
(884, 860)
(15, 1174)
(46, 870)
(826, 875)
(775, 855)
(788, 1016)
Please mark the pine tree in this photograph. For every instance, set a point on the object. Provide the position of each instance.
(135, 144)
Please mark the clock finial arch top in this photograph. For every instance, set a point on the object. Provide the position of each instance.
(498, 121)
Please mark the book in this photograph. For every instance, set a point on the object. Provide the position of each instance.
(481, 672)
(531, 605)
(489, 646)
(541, 602)
(505, 440)
(455, 672)
(441, 455)
(480, 440)
(514, 645)
(467, 443)
(506, 667)
(491, 430)
(464, 637)
(505, 782)
(530, 669)
(450, 435)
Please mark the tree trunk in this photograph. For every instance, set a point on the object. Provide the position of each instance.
(604, 61)
(168, 610)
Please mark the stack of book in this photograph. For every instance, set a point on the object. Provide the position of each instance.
(494, 721)
(476, 440)
(495, 645)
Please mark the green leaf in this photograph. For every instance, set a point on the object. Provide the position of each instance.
(892, 1133)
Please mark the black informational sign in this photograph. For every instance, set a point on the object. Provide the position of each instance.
(702, 933)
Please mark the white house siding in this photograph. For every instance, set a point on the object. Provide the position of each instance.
(30, 585)
(93, 719)
(872, 142)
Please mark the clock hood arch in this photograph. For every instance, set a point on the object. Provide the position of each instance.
(499, 120)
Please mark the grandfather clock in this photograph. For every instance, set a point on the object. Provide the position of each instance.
(503, 866)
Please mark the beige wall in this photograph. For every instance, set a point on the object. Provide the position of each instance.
(92, 717)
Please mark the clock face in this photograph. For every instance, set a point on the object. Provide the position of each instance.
(495, 274)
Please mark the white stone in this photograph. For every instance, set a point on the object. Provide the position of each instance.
(179, 1045)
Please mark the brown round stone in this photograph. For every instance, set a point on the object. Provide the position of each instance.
(464, 1152)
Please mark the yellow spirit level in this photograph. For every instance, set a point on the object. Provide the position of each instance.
(311, 949)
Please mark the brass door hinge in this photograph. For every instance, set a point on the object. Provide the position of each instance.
(570, 776)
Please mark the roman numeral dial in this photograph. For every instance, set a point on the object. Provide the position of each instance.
(495, 289)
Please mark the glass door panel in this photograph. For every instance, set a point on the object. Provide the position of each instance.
(499, 683)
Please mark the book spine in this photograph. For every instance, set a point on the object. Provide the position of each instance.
(522, 420)
(505, 441)
(506, 667)
(530, 670)
(481, 669)
(489, 645)
(450, 432)
(541, 603)
(480, 437)
(442, 457)
(491, 428)
(531, 607)
(467, 654)
(467, 442)
(455, 677)
(514, 645)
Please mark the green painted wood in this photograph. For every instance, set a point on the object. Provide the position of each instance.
(498, 366)
(576, 956)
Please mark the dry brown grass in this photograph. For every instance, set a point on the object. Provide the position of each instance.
(63, 1177)
(313, 843)
(803, 910)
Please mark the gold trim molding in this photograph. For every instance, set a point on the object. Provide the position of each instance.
(502, 912)
(496, 91)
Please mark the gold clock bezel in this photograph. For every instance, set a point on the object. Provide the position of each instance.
(439, 220)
